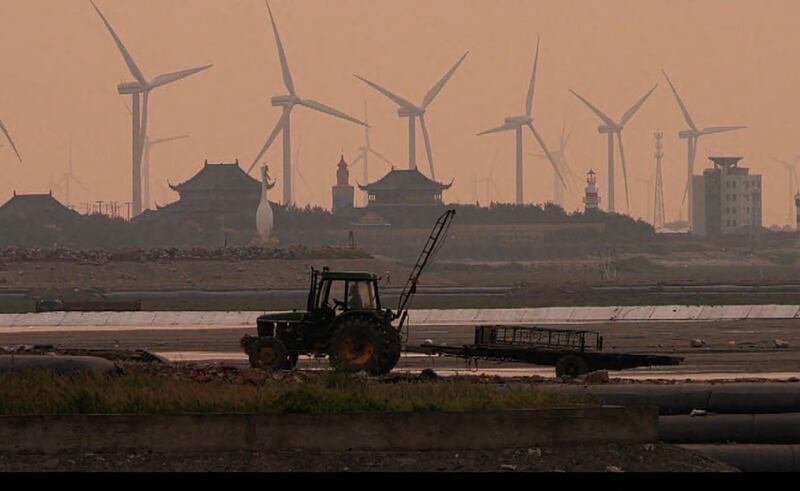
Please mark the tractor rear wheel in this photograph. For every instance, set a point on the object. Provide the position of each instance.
(269, 353)
(571, 366)
(365, 343)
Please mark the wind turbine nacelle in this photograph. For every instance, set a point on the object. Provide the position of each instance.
(606, 130)
(518, 120)
(128, 88)
(405, 113)
(686, 134)
(283, 100)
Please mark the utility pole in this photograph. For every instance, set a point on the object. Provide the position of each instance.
(659, 215)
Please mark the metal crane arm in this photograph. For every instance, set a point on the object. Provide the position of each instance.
(434, 243)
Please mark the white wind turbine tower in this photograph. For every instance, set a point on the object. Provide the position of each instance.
(794, 186)
(8, 137)
(416, 112)
(692, 135)
(560, 157)
(287, 102)
(611, 128)
(516, 123)
(363, 154)
(140, 93)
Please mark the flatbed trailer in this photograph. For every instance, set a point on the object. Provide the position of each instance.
(572, 352)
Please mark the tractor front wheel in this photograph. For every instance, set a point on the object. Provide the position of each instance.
(269, 353)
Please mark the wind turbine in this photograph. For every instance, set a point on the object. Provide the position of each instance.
(488, 182)
(516, 123)
(287, 103)
(692, 135)
(417, 111)
(611, 128)
(794, 184)
(364, 151)
(8, 137)
(68, 178)
(560, 157)
(141, 88)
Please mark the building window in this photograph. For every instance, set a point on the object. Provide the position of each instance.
(734, 184)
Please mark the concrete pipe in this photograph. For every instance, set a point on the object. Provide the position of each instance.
(61, 365)
(731, 428)
(753, 458)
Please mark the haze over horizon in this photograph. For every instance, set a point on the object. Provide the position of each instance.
(729, 59)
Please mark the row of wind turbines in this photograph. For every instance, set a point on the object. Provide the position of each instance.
(141, 87)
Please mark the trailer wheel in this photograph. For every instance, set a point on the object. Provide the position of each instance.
(571, 366)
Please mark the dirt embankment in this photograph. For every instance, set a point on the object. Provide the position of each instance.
(565, 458)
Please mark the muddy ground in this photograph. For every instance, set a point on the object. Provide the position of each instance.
(560, 458)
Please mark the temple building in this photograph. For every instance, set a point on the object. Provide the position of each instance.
(403, 197)
(407, 187)
(42, 208)
(218, 204)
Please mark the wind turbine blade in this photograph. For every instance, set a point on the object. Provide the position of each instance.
(354, 162)
(686, 115)
(79, 183)
(128, 108)
(505, 127)
(8, 137)
(569, 136)
(720, 129)
(624, 171)
(134, 69)
(168, 78)
(547, 152)
(630, 112)
(287, 75)
(783, 162)
(600, 114)
(428, 148)
(272, 136)
(531, 88)
(377, 154)
(318, 106)
(431, 95)
(405, 104)
(170, 139)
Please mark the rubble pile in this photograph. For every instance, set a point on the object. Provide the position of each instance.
(102, 256)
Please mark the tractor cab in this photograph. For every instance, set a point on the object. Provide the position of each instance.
(340, 292)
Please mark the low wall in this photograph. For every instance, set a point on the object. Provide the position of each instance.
(367, 431)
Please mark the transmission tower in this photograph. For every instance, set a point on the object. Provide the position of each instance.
(659, 215)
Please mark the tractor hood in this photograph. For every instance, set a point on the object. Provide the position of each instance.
(296, 316)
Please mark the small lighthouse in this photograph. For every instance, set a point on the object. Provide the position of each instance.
(591, 199)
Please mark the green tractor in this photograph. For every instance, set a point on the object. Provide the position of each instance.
(344, 320)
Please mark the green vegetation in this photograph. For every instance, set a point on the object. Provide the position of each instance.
(45, 393)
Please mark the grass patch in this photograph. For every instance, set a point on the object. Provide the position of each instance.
(45, 393)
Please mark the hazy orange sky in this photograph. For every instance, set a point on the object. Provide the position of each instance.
(732, 61)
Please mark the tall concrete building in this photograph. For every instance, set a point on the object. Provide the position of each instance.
(726, 199)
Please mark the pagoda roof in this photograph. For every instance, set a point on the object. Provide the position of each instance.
(405, 180)
(219, 177)
(36, 204)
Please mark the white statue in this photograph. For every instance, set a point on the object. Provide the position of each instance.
(264, 218)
